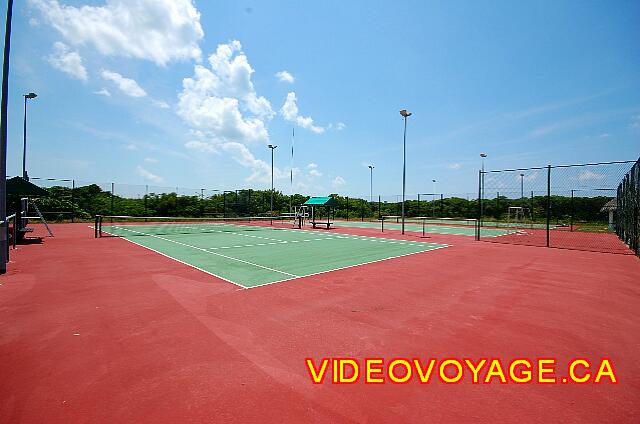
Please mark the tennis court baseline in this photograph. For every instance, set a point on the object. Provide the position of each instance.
(251, 256)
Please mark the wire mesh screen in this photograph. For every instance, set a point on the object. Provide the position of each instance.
(553, 206)
(627, 208)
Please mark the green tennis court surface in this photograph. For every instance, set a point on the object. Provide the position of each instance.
(254, 256)
(416, 227)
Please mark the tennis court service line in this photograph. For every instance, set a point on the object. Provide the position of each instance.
(202, 249)
(349, 266)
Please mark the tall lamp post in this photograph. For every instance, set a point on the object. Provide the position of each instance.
(24, 136)
(272, 147)
(483, 156)
(371, 184)
(4, 242)
(434, 198)
(405, 115)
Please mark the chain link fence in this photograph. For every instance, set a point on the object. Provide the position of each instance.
(627, 208)
(569, 207)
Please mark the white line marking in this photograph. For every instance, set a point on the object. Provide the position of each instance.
(350, 266)
(220, 254)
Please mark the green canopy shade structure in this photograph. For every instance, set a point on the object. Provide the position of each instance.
(327, 202)
(20, 187)
(321, 201)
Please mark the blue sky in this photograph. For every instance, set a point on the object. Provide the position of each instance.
(189, 94)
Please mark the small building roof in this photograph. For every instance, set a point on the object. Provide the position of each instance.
(611, 205)
(321, 201)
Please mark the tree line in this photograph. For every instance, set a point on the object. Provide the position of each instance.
(83, 203)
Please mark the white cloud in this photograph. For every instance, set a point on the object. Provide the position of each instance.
(604, 135)
(126, 85)
(312, 166)
(151, 160)
(337, 127)
(147, 175)
(201, 146)
(260, 170)
(67, 61)
(103, 92)
(155, 30)
(131, 146)
(454, 166)
(217, 99)
(338, 182)
(161, 104)
(289, 112)
(587, 175)
(315, 173)
(33, 22)
(284, 76)
(635, 121)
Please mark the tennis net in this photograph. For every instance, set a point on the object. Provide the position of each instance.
(127, 226)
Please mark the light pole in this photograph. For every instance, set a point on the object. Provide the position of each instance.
(405, 115)
(482, 155)
(434, 198)
(24, 138)
(272, 147)
(4, 242)
(371, 184)
(521, 186)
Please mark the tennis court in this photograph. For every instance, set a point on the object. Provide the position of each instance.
(254, 253)
(429, 227)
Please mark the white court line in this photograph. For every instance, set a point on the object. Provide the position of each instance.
(293, 276)
(350, 266)
(218, 254)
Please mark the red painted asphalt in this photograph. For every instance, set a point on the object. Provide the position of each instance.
(104, 331)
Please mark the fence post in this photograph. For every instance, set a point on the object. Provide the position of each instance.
(347, 208)
(73, 207)
(441, 205)
(548, 201)
(532, 206)
(479, 220)
(379, 206)
(419, 204)
(572, 211)
(113, 191)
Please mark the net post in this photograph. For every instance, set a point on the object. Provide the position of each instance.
(95, 227)
(548, 201)
(382, 223)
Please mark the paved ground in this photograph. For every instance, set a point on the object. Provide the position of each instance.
(104, 331)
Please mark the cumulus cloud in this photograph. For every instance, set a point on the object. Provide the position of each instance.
(201, 146)
(290, 113)
(587, 175)
(151, 160)
(161, 104)
(338, 182)
(67, 61)
(455, 166)
(221, 101)
(260, 170)
(155, 30)
(337, 127)
(126, 85)
(103, 92)
(313, 171)
(284, 76)
(148, 175)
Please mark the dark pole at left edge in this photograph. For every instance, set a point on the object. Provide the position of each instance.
(4, 243)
